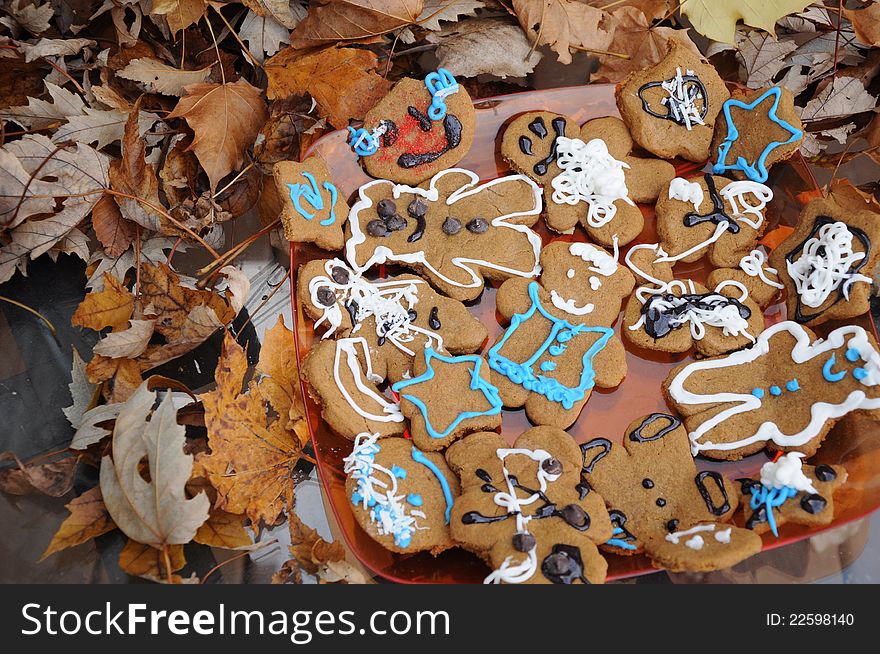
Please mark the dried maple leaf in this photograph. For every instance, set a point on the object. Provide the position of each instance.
(263, 34)
(53, 478)
(113, 231)
(31, 16)
(82, 391)
(88, 519)
(180, 14)
(282, 135)
(322, 74)
(159, 77)
(332, 21)
(155, 512)
(763, 56)
(110, 307)
(126, 343)
(563, 25)
(53, 48)
(866, 23)
(284, 12)
(717, 20)
(842, 97)
(225, 119)
(486, 46)
(224, 530)
(171, 303)
(256, 436)
(316, 556)
(152, 563)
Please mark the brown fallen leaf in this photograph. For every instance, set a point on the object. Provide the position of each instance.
(224, 530)
(126, 343)
(225, 119)
(255, 436)
(158, 77)
(113, 231)
(151, 563)
(485, 46)
(866, 23)
(563, 25)
(322, 74)
(332, 21)
(282, 135)
(53, 478)
(180, 14)
(111, 307)
(88, 519)
(316, 556)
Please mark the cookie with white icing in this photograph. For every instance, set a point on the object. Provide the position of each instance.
(524, 509)
(454, 231)
(759, 278)
(827, 262)
(671, 108)
(704, 547)
(789, 491)
(401, 496)
(398, 317)
(560, 343)
(653, 491)
(785, 392)
(313, 209)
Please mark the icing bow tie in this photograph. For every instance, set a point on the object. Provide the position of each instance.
(440, 85)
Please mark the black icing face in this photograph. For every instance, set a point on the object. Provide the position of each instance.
(681, 99)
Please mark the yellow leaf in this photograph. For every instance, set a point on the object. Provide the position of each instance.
(224, 530)
(111, 307)
(144, 561)
(717, 19)
(88, 519)
(180, 14)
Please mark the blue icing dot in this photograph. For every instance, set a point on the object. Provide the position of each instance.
(547, 366)
(402, 540)
(356, 498)
(564, 336)
(775, 390)
(853, 355)
(371, 501)
(828, 371)
(556, 350)
(415, 499)
(792, 385)
(758, 392)
(398, 472)
(860, 373)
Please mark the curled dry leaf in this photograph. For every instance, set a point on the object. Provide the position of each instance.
(332, 21)
(282, 136)
(127, 343)
(150, 563)
(88, 519)
(53, 48)
(866, 23)
(563, 25)
(158, 77)
(155, 512)
(263, 34)
(113, 231)
(322, 74)
(31, 16)
(225, 119)
(842, 97)
(717, 20)
(763, 56)
(238, 287)
(180, 14)
(486, 46)
(82, 391)
(284, 12)
(53, 478)
(226, 531)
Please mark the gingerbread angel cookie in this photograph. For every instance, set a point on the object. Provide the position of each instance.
(760, 279)
(656, 498)
(560, 343)
(525, 511)
(401, 496)
(447, 398)
(671, 107)
(826, 264)
(398, 317)
(588, 174)
(452, 230)
(789, 491)
(313, 210)
(785, 392)
(420, 128)
(711, 215)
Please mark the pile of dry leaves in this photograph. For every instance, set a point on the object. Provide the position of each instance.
(134, 129)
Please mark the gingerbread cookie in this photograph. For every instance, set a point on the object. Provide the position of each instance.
(703, 548)
(827, 262)
(398, 317)
(347, 389)
(789, 491)
(452, 230)
(447, 398)
(313, 210)
(756, 129)
(655, 495)
(560, 343)
(417, 130)
(588, 175)
(786, 391)
(525, 511)
(401, 496)
(759, 279)
(711, 215)
(671, 107)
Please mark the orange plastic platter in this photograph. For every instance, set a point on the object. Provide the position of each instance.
(854, 443)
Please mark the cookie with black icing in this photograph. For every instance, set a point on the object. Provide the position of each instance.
(671, 108)
(589, 174)
(524, 509)
(448, 397)
(659, 502)
(453, 230)
(789, 491)
(560, 343)
(420, 128)
(401, 496)
(827, 262)
(398, 316)
(785, 392)
(313, 209)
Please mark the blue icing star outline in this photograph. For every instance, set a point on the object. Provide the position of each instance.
(311, 194)
(477, 384)
(756, 172)
(561, 332)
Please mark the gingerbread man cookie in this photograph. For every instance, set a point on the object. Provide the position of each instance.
(452, 230)
(401, 496)
(671, 107)
(398, 317)
(655, 495)
(560, 343)
(420, 128)
(313, 209)
(785, 392)
(827, 262)
(524, 509)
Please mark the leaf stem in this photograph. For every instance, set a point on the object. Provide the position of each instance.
(33, 311)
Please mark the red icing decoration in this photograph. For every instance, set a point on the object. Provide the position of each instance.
(412, 139)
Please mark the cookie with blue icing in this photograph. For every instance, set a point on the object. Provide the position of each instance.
(401, 496)
(313, 209)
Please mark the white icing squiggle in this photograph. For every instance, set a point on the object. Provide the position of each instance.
(684, 191)
(589, 174)
(569, 305)
(824, 265)
(787, 471)
(753, 265)
(682, 104)
(348, 347)
(601, 262)
(735, 194)
(676, 536)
